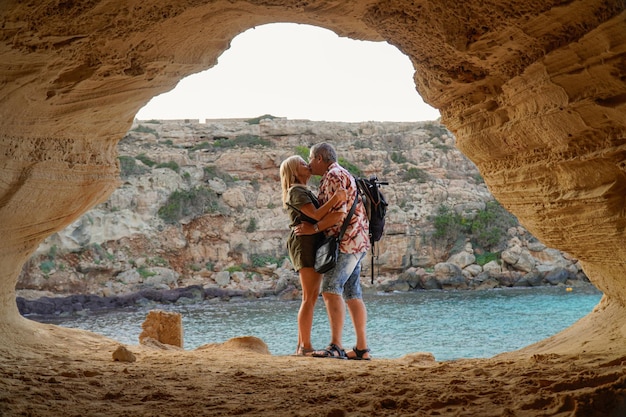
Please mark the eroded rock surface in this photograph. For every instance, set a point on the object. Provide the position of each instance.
(535, 93)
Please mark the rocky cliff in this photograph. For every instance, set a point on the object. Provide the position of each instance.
(200, 204)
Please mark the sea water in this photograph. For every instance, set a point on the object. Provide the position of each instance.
(449, 324)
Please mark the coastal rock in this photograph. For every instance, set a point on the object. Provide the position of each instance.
(449, 276)
(246, 227)
(462, 259)
(164, 327)
(122, 354)
(222, 278)
(492, 267)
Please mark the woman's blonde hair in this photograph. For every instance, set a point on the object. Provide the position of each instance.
(288, 179)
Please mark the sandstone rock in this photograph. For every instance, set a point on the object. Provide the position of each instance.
(449, 276)
(130, 276)
(164, 327)
(122, 354)
(511, 255)
(163, 277)
(557, 276)
(473, 270)
(430, 282)
(234, 198)
(462, 259)
(492, 267)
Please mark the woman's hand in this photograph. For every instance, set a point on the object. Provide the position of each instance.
(304, 228)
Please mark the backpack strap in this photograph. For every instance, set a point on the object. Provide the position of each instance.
(347, 219)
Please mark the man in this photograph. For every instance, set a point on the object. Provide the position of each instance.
(343, 281)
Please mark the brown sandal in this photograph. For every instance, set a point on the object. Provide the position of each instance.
(302, 351)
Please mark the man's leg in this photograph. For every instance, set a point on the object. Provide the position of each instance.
(358, 313)
(332, 291)
(336, 310)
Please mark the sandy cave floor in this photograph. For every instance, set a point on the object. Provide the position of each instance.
(76, 376)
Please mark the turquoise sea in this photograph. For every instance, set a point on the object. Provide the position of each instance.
(449, 324)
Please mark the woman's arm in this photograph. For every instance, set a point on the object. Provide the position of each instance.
(319, 213)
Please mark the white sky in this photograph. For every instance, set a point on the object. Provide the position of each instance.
(298, 72)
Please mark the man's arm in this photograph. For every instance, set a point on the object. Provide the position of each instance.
(331, 219)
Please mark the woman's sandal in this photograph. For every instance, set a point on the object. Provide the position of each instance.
(358, 354)
(302, 351)
(332, 351)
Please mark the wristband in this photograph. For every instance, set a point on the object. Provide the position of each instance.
(316, 228)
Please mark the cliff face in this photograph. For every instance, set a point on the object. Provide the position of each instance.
(534, 92)
(213, 189)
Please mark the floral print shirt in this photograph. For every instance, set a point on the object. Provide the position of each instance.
(356, 239)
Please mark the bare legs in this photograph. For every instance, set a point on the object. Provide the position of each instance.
(336, 309)
(358, 313)
(310, 281)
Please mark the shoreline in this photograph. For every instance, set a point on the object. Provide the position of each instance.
(66, 305)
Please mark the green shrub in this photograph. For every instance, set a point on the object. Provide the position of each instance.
(234, 268)
(449, 225)
(211, 171)
(415, 173)
(129, 167)
(243, 141)
(171, 165)
(157, 261)
(487, 229)
(398, 158)
(252, 226)
(147, 161)
(145, 129)
(436, 129)
(487, 257)
(47, 266)
(442, 147)
(259, 260)
(303, 151)
(257, 120)
(183, 203)
(200, 146)
(145, 273)
(353, 169)
(490, 225)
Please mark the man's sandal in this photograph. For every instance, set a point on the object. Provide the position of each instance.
(332, 351)
(359, 353)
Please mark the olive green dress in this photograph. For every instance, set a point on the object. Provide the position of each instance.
(301, 248)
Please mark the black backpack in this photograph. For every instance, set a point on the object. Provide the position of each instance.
(376, 208)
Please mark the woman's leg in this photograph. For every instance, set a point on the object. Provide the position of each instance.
(310, 281)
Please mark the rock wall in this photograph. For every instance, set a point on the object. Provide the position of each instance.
(237, 241)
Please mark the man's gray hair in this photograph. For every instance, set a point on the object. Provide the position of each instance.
(325, 150)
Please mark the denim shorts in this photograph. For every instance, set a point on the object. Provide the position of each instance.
(345, 278)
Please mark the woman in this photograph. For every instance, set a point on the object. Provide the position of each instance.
(302, 205)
